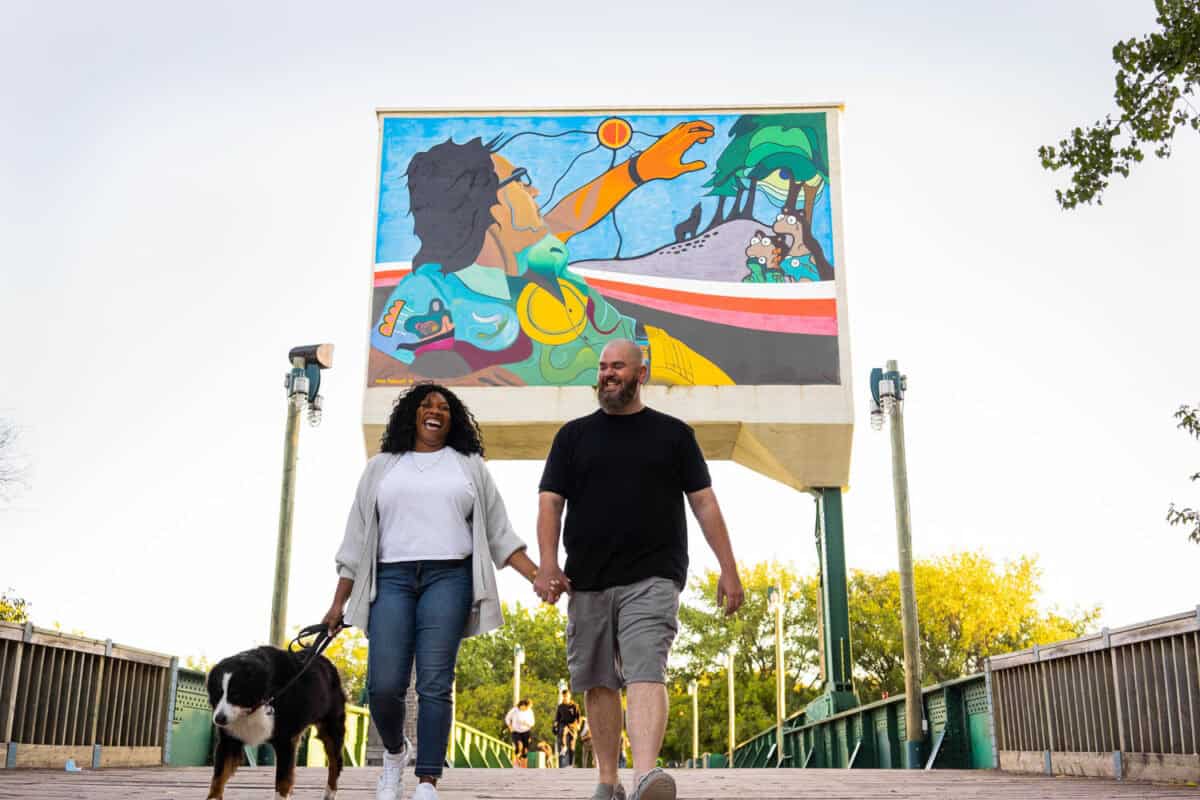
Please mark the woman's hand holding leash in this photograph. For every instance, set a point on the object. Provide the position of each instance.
(333, 620)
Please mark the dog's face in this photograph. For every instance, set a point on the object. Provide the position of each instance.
(237, 688)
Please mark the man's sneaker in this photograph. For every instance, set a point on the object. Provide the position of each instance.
(391, 780)
(425, 791)
(655, 785)
(607, 791)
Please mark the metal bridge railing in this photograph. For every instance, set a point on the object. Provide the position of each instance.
(474, 748)
(872, 736)
(1122, 703)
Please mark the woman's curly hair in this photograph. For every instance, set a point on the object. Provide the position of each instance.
(400, 436)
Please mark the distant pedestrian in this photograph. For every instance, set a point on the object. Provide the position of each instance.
(519, 721)
(566, 729)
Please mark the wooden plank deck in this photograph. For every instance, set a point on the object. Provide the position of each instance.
(570, 784)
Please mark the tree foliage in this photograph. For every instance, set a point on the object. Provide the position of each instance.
(485, 671)
(969, 607)
(13, 608)
(349, 654)
(1188, 419)
(13, 468)
(1156, 76)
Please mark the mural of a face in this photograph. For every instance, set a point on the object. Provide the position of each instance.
(762, 249)
(789, 222)
(517, 215)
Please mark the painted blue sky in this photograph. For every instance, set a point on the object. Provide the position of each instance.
(562, 153)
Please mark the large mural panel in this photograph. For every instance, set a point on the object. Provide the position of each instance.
(511, 248)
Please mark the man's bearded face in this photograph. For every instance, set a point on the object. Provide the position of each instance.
(616, 391)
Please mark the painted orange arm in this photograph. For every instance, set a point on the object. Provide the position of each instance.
(590, 203)
(663, 160)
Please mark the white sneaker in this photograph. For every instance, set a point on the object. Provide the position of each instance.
(391, 780)
(425, 791)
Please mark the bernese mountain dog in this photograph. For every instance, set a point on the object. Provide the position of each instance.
(253, 703)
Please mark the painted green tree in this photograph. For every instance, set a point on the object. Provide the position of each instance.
(786, 155)
(1157, 75)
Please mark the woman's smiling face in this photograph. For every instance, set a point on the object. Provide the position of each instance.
(433, 423)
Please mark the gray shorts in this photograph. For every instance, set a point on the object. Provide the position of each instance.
(621, 635)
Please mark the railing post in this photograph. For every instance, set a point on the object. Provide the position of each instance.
(170, 721)
(1118, 756)
(987, 680)
(1040, 670)
(96, 698)
(10, 702)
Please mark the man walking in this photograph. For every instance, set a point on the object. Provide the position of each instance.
(566, 727)
(622, 474)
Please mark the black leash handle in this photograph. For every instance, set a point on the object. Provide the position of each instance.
(323, 639)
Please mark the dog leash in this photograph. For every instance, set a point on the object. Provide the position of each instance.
(323, 639)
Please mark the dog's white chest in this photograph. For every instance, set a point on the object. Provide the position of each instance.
(253, 729)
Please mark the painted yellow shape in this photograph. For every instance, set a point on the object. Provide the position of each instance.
(675, 364)
(544, 319)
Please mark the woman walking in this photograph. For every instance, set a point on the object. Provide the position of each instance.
(415, 571)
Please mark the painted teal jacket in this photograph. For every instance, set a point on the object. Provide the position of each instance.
(494, 543)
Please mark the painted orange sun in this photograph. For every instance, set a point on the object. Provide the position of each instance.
(614, 133)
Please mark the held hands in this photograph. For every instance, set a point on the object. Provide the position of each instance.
(664, 158)
(729, 591)
(550, 584)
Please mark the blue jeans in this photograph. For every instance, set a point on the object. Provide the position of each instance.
(419, 612)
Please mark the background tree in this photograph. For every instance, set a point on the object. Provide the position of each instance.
(1156, 76)
(485, 671)
(969, 608)
(198, 663)
(349, 654)
(13, 608)
(13, 468)
(1189, 420)
(705, 636)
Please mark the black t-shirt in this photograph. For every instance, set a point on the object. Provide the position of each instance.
(566, 714)
(624, 477)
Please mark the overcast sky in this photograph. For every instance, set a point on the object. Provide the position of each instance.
(185, 193)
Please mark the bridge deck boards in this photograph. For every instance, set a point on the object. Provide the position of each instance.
(464, 784)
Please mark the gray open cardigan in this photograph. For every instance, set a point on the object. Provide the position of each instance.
(492, 533)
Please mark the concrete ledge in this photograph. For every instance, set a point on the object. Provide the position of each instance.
(1027, 761)
(1162, 767)
(1145, 767)
(1085, 765)
(50, 756)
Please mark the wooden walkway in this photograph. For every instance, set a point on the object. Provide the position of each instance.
(358, 784)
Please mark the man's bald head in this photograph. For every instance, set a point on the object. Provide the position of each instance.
(623, 350)
(619, 377)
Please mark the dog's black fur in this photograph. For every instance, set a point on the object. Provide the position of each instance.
(242, 716)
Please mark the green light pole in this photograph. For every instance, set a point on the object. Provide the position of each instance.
(729, 657)
(694, 691)
(518, 660)
(303, 384)
(775, 606)
(887, 395)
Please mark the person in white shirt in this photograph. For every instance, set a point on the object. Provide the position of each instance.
(416, 571)
(519, 721)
